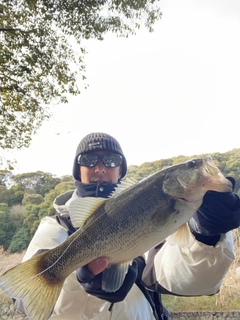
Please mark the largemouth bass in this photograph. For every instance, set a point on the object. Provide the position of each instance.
(120, 228)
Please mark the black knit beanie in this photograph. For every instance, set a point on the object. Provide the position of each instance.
(98, 141)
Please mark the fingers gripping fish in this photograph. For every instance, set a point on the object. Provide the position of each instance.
(119, 228)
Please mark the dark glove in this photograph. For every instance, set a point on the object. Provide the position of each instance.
(218, 214)
(92, 285)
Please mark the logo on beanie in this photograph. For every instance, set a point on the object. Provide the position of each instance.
(94, 144)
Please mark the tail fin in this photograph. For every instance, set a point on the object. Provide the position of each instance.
(38, 290)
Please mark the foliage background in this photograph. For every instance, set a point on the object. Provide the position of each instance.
(28, 197)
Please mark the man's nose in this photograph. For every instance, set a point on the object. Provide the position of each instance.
(100, 167)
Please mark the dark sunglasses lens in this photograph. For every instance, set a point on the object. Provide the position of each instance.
(88, 160)
(112, 160)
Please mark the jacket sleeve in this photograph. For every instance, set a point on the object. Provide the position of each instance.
(185, 266)
(73, 302)
(48, 235)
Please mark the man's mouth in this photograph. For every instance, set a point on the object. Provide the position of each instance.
(99, 181)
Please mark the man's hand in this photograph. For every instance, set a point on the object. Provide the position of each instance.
(97, 266)
(218, 214)
(90, 277)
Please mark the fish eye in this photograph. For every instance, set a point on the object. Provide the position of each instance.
(191, 164)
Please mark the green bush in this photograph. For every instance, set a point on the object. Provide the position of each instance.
(19, 241)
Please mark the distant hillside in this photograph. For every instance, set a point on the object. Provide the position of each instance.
(26, 198)
(228, 163)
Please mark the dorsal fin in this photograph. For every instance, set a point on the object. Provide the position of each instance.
(129, 182)
(82, 208)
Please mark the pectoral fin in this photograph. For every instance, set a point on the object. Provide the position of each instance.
(113, 276)
(162, 214)
(82, 208)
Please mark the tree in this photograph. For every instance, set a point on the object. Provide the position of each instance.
(6, 178)
(42, 54)
(4, 194)
(31, 220)
(19, 241)
(37, 182)
(18, 214)
(7, 228)
(32, 198)
(16, 194)
(46, 207)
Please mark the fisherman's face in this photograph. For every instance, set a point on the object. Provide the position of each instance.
(100, 173)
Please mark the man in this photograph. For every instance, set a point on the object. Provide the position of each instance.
(195, 265)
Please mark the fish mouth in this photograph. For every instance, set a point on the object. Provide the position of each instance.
(216, 180)
(212, 180)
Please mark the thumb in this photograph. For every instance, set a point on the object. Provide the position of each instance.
(97, 266)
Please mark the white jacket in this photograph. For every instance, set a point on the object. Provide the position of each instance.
(183, 266)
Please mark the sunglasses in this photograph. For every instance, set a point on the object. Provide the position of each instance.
(109, 160)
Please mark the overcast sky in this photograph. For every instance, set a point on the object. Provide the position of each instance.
(173, 92)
